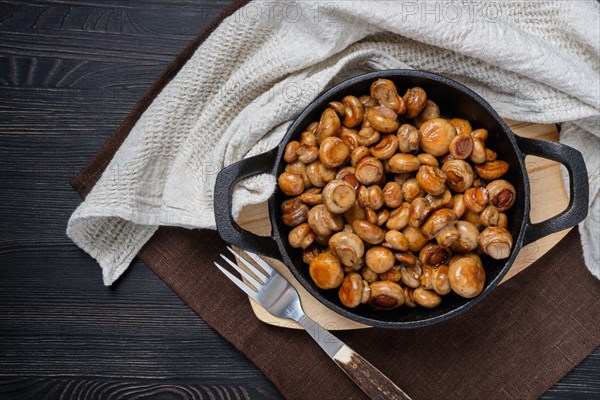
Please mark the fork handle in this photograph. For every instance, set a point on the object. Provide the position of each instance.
(371, 380)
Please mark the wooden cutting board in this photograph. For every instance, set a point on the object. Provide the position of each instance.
(548, 198)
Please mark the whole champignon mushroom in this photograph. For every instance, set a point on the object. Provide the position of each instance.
(379, 259)
(436, 136)
(428, 159)
(403, 163)
(324, 223)
(490, 155)
(411, 275)
(307, 153)
(354, 290)
(318, 174)
(426, 298)
(476, 198)
(367, 135)
(496, 242)
(409, 138)
(301, 236)
(354, 111)
(396, 240)
(459, 207)
(290, 184)
(399, 217)
(490, 216)
(411, 190)
(338, 107)
(415, 99)
(441, 225)
(444, 200)
(436, 279)
(490, 170)
(431, 179)
(386, 147)
(392, 195)
(468, 240)
(350, 138)
(386, 93)
(289, 154)
(462, 126)
(459, 175)
(461, 146)
(481, 134)
(326, 271)
(382, 216)
(416, 240)
(371, 216)
(333, 152)
(338, 196)
(294, 211)
(383, 119)
(369, 170)
(309, 138)
(393, 275)
(430, 111)
(478, 153)
(329, 125)
(466, 275)
(386, 295)
(369, 275)
(367, 101)
(368, 232)
(311, 196)
(405, 257)
(502, 194)
(348, 248)
(418, 212)
(434, 255)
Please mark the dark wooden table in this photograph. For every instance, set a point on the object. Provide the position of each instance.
(69, 73)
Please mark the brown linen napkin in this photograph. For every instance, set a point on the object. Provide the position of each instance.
(514, 344)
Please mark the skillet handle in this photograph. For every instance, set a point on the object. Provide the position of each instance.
(577, 209)
(229, 230)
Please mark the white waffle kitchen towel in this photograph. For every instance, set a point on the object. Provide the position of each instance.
(533, 61)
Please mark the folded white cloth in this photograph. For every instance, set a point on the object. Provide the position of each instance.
(235, 97)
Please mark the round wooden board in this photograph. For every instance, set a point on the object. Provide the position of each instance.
(548, 198)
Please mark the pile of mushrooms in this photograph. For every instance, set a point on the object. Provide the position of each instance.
(394, 205)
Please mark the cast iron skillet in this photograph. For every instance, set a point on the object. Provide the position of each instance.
(454, 100)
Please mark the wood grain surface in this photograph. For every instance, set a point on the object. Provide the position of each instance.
(69, 73)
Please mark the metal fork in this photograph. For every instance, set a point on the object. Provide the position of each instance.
(280, 298)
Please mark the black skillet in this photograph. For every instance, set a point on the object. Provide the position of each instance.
(454, 100)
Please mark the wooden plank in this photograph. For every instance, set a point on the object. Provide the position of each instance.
(60, 328)
(66, 389)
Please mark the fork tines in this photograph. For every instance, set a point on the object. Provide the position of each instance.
(261, 275)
